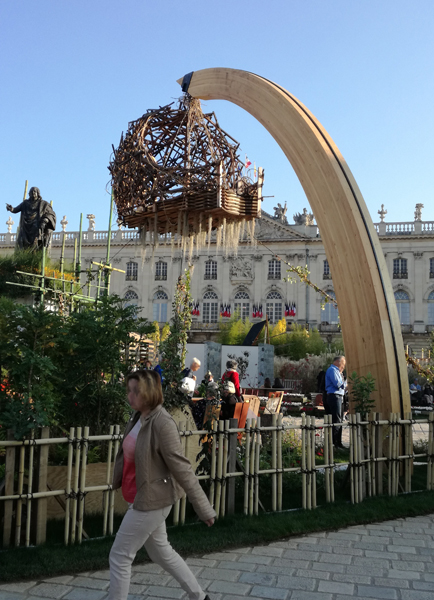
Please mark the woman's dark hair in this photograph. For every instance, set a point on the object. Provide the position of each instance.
(267, 382)
(278, 383)
(149, 387)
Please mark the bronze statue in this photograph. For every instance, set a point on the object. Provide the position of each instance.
(37, 221)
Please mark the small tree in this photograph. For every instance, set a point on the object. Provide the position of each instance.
(361, 389)
(174, 348)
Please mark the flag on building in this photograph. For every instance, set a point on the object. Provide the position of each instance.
(247, 163)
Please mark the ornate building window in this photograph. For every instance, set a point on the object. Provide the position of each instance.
(159, 306)
(400, 268)
(161, 271)
(210, 269)
(326, 272)
(242, 304)
(330, 314)
(131, 298)
(273, 307)
(403, 306)
(132, 271)
(274, 269)
(431, 268)
(431, 308)
(210, 307)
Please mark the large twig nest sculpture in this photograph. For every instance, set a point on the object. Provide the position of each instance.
(177, 172)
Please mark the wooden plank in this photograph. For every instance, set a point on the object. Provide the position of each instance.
(370, 324)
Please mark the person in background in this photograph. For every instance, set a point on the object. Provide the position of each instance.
(153, 473)
(231, 374)
(148, 365)
(335, 387)
(228, 400)
(278, 385)
(158, 369)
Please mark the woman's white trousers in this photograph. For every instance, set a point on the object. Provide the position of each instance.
(147, 528)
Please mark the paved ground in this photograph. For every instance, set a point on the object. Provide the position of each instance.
(392, 560)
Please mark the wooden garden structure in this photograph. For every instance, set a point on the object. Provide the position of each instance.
(369, 318)
(176, 172)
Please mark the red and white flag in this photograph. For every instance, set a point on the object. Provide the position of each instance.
(247, 163)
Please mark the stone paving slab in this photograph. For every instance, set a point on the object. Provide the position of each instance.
(380, 561)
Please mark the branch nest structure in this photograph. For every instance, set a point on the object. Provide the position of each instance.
(176, 172)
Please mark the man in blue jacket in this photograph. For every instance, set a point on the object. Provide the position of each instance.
(335, 388)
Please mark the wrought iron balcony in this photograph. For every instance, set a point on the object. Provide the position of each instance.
(400, 275)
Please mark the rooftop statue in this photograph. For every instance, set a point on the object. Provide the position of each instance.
(37, 221)
(280, 213)
(304, 218)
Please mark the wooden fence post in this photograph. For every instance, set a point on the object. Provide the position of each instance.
(41, 513)
(9, 490)
(232, 463)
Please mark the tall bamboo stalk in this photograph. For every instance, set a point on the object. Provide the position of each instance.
(279, 462)
(274, 463)
(85, 449)
(182, 501)
(367, 456)
(75, 484)
(430, 458)
(219, 468)
(257, 463)
(373, 436)
(213, 439)
(252, 470)
(360, 457)
(19, 502)
(112, 492)
(313, 466)
(68, 484)
(303, 461)
(380, 465)
(352, 460)
(247, 467)
(30, 489)
(108, 481)
(326, 459)
(225, 467)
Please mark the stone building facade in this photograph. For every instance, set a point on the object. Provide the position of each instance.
(255, 281)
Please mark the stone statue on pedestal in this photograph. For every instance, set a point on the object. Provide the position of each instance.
(37, 221)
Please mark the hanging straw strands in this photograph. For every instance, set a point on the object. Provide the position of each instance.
(177, 173)
(377, 447)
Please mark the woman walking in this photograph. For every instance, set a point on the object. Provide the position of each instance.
(153, 473)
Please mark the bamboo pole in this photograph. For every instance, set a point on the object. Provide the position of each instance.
(41, 510)
(313, 466)
(219, 468)
(252, 470)
(360, 467)
(257, 463)
(213, 444)
(352, 460)
(303, 461)
(109, 235)
(380, 453)
(112, 491)
(8, 490)
(396, 462)
(225, 467)
(367, 454)
(408, 450)
(274, 463)
(81, 492)
(30, 489)
(182, 500)
(326, 459)
(430, 457)
(108, 481)
(19, 509)
(247, 467)
(68, 485)
(373, 434)
(75, 484)
(279, 462)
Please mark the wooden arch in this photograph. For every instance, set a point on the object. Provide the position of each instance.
(369, 318)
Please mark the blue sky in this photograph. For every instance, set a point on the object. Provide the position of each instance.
(73, 74)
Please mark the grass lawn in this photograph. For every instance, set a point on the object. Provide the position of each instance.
(54, 559)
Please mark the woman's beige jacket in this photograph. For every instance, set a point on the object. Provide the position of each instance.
(162, 470)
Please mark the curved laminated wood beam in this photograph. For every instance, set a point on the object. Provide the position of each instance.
(370, 325)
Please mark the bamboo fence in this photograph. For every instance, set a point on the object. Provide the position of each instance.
(381, 460)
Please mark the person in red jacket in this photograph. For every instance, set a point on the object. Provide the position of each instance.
(231, 374)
